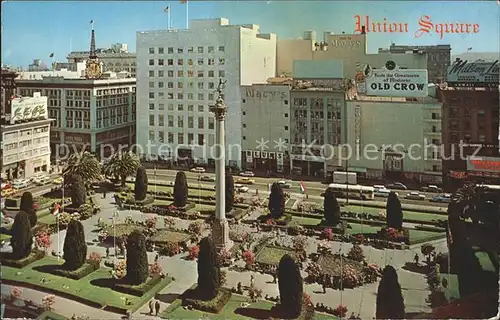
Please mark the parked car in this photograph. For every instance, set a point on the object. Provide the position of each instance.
(432, 188)
(415, 196)
(378, 187)
(207, 178)
(247, 174)
(245, 181)
(243, 189)
(285, 184)
(20, 184)
(37, 177)
(8, 192)
(444, 198)
(41, 181)
(384, 193)
(198, 170)
(396, 186)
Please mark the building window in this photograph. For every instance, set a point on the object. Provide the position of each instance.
(151, 95)
(161, 106)
(211, 74)
(151, 106)
(482, 138)
(190, 108)
(152, 120)
(180, 138)
(180, 121)
(151, 84)
(222, 73)
(180, 50)
(170, 73)
(190, 138)
(180, 96)
(222, 61)
(201, 123)
(210, 49)
(200, 49)
(171, 107)
(190, 50)
(180, 62)
(286, 102)
(161, 84)
(161, 62)
(190, 73)
(180, 73)
(151, 73)
(200, 61)
(170, 85)
(161, 50)
(180, 85)
(170, 137)
(222, 49)
(244, 125)
(180, 107)
(170, 50)
(200, 96)
(170, 62)
(151, 62)
(286, 115)
(211, 85)
(201, 108)
(151, 50)
(211, 61)
(200, 85)
(211, 96)
(286, 128)
(171, 121)
(190, 122)
(190, 96)
(200, 73)
(161, 120)
(244, 138)
(151, 135)
(201, 139)
(190, 62)
(211, 122)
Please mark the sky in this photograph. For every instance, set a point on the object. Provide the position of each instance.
(32, 30)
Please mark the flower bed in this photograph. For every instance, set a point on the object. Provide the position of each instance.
(7, 260)
(121, 229)
(58, 270)
(136, 290)
(214, 306)
(271, 255)
(164, 236)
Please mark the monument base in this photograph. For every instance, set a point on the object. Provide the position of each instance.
(220, 235)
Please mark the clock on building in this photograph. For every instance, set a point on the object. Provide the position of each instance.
(390, 65)
(93, 69)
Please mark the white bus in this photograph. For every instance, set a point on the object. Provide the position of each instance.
(489, 186)
(355, 191)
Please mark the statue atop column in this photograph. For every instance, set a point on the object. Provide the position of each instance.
(219, 108)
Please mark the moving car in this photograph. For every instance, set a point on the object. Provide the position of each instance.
(37, 177)
(384, 193)
(198, 170)
(243, 189)
(397, 186)
(41, 181)
(444, 198)
(415, 196)
(7, 192)
(58, 180)
(245, 181)
(207, 178)
(432, 188)
(378, 187)
(20, 184)
(285, 184)
(247, 174)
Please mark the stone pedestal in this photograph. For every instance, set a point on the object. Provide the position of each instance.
(220, 234)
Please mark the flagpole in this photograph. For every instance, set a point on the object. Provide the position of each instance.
(58, 233)
(168, 17)
(187, 15)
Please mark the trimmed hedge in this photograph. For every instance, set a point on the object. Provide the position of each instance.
(58, 270)
(148, 200)
(35, 255)
(214, 306)
(137, 290)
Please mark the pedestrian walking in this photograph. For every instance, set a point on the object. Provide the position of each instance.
(107, 252)
(151, 306)
(274, 272)
(416, 258)
(323, 284)
(252, 281)
(104, 195)
(156, 257)
(157, 307)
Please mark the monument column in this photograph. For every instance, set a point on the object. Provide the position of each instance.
(220, 228)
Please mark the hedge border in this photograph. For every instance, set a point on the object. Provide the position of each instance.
(137, 290)
(86, 269)
(35, 255)
(213, 306)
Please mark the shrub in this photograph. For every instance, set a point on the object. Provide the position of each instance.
(27, 205)
(141, 184)
(340, 311)
(290, 286)
(48, 301)
(137, 259)
(356, 253)
(42, 239)
(120, 269)
(170, 249)
(64, 218)
(214, 305)
(208, 270)
(16, 293)
(155, 269)
(331, 207)
(276, 204)
(75, 247)
(327, 234)
(254, 293)
(390, 303)
(193, 252)
(195, 229)
(95, 258)
(249, 257)
(229, 192)
(168, 222)
(224, 257)
(394, 212)
(180, 189)
(78, 192)
(22, 236)
(151, 222)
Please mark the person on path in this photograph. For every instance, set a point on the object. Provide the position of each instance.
(157, 307)
(107, 252)
(274, 272)
(416, 259)
(252, 281)
(157, 257)
(104, 195)
(151, 305)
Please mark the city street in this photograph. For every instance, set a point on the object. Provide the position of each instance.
(312, 188)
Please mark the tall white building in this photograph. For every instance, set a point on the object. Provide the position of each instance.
(177, 74)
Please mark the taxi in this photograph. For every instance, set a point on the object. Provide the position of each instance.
(245, 181)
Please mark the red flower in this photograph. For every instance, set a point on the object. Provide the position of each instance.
(193, 252)
(35, 205)
(270, 222)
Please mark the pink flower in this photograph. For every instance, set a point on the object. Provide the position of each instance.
(155, 269)
(193, 252)
(16, 292)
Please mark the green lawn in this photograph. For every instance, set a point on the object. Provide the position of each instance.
(48, 219)
(78, 288)
(192, 192)
(4, 237)
(257, 310)
(49, 315)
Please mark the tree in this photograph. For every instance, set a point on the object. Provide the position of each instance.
(141, 184)
(27, 205)
(78, 191)
(121, 165)
(331, 207)
(75, 247)
(137, 258)
(390, 303)
(229, 192)
(180, 189)
(394, 212)
(208, 270)
(22, 236)
(276, 201)
(84, 165)
(290, 286)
